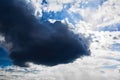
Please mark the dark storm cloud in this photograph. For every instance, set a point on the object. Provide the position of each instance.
(41, 43)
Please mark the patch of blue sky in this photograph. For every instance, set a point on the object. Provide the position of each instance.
(111, 28)
(59, 15)
(3, 52)
(112, 58)
(115, 47)
(73, 18)
(4, 58)
(92, 4)
(5, 62)
(111, 66)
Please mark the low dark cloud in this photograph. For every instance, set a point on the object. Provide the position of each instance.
(38, 42)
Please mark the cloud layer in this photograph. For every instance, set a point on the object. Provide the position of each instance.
(38, 42)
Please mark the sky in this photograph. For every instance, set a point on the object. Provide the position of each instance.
(96, 22)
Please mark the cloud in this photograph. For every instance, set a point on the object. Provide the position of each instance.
(103, 64)
(38, 42)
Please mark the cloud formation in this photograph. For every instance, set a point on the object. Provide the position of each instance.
(38, 42)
